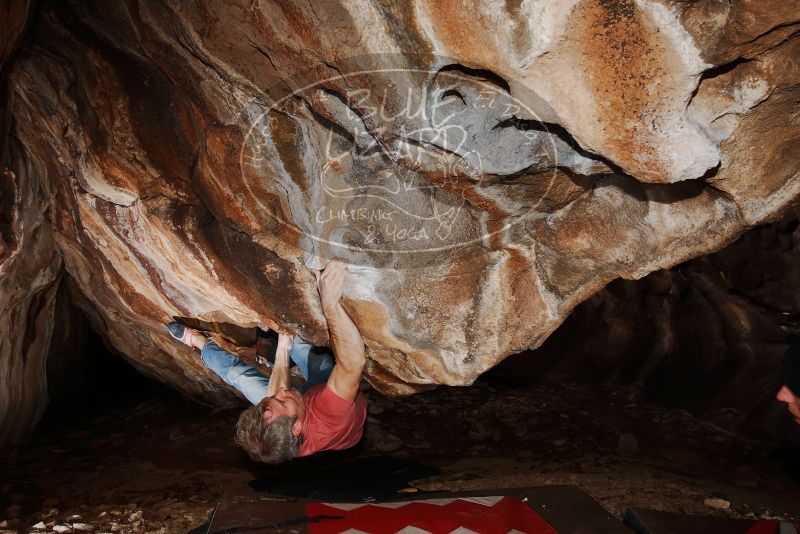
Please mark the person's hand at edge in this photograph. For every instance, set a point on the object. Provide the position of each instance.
(330, 283)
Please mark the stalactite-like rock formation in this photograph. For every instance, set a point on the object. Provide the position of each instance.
(484, 166)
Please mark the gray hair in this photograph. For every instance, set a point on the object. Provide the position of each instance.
(271, 443)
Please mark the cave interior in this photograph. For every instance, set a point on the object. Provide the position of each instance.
(572, 229)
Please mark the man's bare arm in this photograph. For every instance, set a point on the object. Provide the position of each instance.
(280, 371)
(348, 345)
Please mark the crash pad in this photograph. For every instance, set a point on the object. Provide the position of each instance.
(538, 510)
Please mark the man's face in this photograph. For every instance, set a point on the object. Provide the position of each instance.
(792, 402)
(284, 402)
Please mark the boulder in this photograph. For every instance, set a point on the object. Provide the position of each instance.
(484, 167)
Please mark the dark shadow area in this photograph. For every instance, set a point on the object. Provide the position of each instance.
(484, 74)
(706, 336)
(85, 377)
(345, 475)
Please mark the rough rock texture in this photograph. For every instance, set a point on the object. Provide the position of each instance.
(30, 264)
(485, 167)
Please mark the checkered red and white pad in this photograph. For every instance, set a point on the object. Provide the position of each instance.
(483, 515)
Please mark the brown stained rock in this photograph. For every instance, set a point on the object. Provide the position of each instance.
(15, 17)
(726, 31)
(30, 271)
(484, 168)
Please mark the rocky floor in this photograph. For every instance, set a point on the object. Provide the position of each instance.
(160, 464)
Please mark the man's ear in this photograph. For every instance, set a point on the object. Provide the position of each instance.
(297, 427)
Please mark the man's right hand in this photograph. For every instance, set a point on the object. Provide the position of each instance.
(330, 283)
(348, 346)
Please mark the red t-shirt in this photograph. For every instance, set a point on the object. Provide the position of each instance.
(331, 421)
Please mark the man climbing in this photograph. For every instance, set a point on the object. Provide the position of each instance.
(790, 392)
(283, 423)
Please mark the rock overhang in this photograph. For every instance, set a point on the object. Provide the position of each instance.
(484, 169)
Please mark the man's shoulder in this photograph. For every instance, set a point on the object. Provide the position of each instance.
(325, 395)
(313, 391)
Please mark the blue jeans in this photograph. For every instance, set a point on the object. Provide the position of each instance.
(315, 363)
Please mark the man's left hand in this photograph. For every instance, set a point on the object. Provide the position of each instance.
(285, 342)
